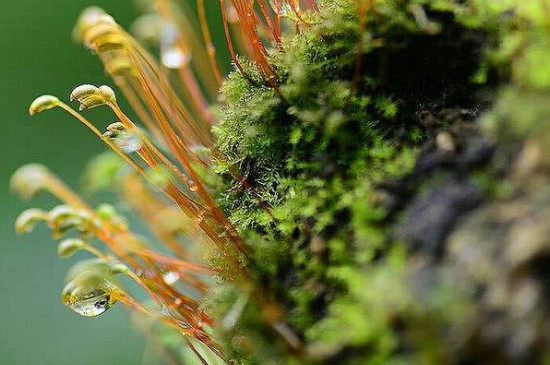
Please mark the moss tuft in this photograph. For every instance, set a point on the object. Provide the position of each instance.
(354, 106)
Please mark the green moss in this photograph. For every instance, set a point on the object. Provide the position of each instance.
(346, 124)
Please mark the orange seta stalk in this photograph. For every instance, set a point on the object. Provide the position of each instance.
(210, 48)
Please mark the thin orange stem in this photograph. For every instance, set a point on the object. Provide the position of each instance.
(228, 38)
(197, 98)
(96, 131)
(265, 14)
(174, 262)
(210, 48)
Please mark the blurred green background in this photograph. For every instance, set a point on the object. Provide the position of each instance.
(37, 56)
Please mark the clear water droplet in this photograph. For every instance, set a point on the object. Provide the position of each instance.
(170, 277)
(97, 304)
(88, 295)
(192, 186)
(129, 144)
(173, 57)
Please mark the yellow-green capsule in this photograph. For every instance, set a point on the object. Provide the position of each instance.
(108, 93)
(108, 213)
(84, 91)
(106, 268)
(120, 66)
(89, 18)
(63, 216)
(29, 180)
(89, 96)
(96, 266)
(28, 219)
(116, 127)
(69, 247)
(42, 103)
(105, 38)
(117, 267)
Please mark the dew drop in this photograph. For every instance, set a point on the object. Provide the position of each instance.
(88, 295)
(95, 304)
(192, 186)
(170, 277)
(129, 144)
(173, 57)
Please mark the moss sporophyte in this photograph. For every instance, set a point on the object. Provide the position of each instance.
(291, 203)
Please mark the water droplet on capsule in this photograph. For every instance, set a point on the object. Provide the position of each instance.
(88, 295)
(130, 144)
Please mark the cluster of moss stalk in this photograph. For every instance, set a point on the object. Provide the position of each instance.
(397, 192)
